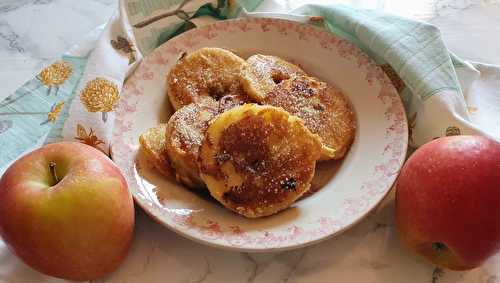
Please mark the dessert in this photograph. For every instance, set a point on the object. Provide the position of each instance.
(257, 160)
(211, 72)
(264, 72)
(153, 142)
(184, 134)
(323, 108)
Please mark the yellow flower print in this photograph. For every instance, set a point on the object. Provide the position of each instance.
(54, 112)
(100, 95)
(55, 75)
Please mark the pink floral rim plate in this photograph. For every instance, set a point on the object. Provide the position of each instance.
(350, 189)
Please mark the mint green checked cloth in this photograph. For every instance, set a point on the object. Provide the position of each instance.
(414, 49)
(429, 79)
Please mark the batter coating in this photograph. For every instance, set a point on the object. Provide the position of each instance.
(154, 146)
(185, 132)
(323, 108)
(257, 160)
(264, 72)
(207, 71)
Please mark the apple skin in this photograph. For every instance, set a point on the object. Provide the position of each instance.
(78, 229)
(448, 192)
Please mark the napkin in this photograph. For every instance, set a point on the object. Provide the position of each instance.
(74, 99)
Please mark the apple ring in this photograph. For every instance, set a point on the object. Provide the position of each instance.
(184, 134)
(211, 72)
(264, 72)
(324, 109)
(257, 160)
(153, 142)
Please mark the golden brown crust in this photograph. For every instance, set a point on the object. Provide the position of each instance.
(154, 146)
(211, 72)
(257, 160)
(185, 131)
(264, 72)
(324, 109)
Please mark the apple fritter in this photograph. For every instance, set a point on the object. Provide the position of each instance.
(264, 72)
(257, 160)
(207, 71)
(230, 101)
(324, 109)
(185, 132)
(154, 146)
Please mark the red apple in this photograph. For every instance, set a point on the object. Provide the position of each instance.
(448, 201)
(66, 211)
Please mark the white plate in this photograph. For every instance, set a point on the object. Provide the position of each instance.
(350, 188)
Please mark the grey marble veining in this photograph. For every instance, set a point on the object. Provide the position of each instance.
(9, 39)
(9, 5)
(34, 33)
(471, 29)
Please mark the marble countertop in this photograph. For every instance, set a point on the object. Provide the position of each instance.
(35, 32)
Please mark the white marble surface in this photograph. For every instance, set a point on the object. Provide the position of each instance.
(35, 32)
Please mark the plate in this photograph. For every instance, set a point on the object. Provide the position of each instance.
(349, 188)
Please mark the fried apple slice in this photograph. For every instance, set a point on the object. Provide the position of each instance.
(264, 72)
(257, 160)
(324, 109)
(154, 146)
(185, 132)
(208, 71)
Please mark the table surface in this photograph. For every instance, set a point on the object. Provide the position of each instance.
(34, 33)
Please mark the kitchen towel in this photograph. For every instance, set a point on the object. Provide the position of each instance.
(74, 99)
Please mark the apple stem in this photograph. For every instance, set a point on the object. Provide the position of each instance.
(52, 167)
(439, 246)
